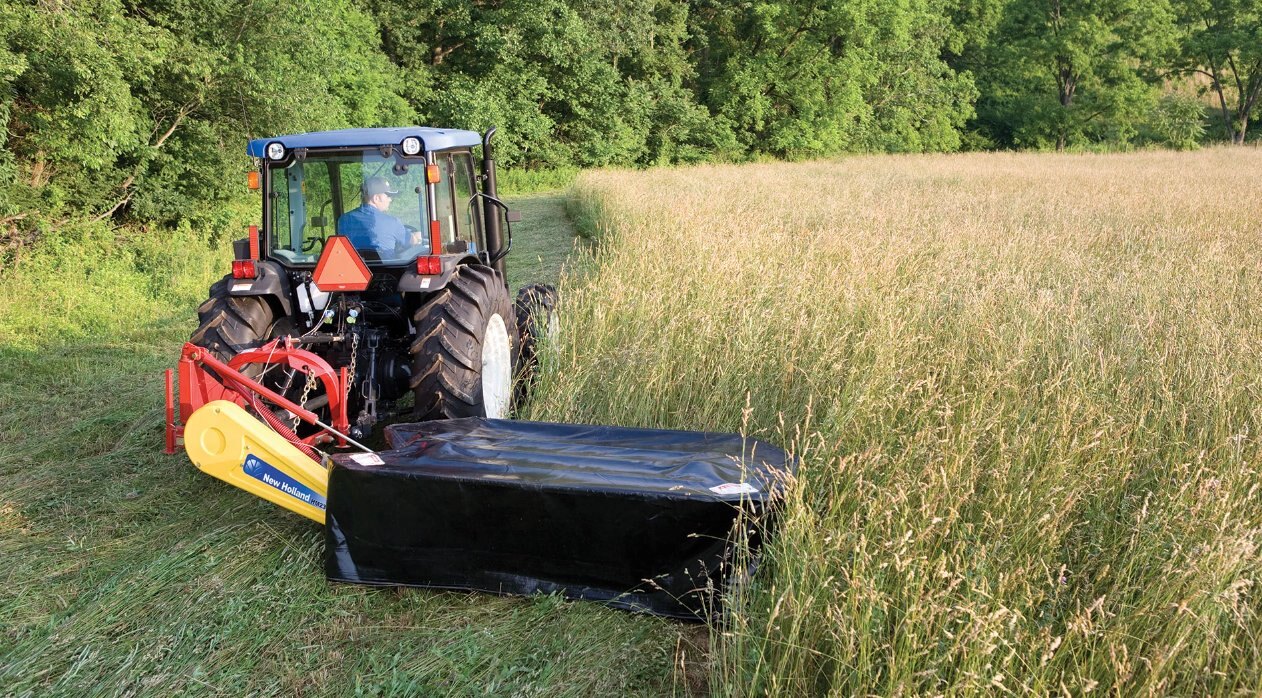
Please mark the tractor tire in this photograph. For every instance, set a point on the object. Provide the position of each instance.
(536, 311)
(462, 356)
(232, 324)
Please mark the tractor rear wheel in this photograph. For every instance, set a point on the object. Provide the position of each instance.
(232, 324)
(462, 357)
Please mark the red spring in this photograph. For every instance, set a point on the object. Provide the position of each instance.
(277, 425)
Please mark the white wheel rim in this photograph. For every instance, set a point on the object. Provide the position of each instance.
(497, 369)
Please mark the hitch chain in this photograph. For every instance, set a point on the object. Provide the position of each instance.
(350, 372)
(302, 401)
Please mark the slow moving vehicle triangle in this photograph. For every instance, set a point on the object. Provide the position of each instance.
(340, 267)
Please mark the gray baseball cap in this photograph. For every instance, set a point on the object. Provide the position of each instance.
(378, 185)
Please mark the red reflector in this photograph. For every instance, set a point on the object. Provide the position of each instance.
(340, 267)
(435, 237)
(429, 266)
(254, 242)
(244, 269)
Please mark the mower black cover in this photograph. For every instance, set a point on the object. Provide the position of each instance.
(638, 518)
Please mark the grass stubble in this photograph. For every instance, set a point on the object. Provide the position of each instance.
(1024, 390)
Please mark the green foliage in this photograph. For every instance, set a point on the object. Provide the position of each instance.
(1179, 121)
(1223, 42)
(1066, 72)
(801, 80)
(587, 84)
(141, 113)
(136, 111)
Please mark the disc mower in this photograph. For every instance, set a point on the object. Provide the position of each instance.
(374, 290)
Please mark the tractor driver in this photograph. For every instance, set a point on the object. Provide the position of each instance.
(369, 227)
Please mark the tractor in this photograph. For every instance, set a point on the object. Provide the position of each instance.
(375, 287)
(381, 251)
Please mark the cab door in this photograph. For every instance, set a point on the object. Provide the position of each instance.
(457, 205)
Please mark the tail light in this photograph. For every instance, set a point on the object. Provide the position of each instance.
(429, 266)
(244, 269)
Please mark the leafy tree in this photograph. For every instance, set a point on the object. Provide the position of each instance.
(1065, 71)
(118, 110)
(800, 78)
(569, 83)
(1223, 42)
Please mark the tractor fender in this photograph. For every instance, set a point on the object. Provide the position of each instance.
(411, 282)
(270, 280)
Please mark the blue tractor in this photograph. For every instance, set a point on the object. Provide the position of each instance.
(382, 251)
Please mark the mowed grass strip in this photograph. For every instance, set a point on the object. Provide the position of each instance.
(1025, 390)
(129, 572)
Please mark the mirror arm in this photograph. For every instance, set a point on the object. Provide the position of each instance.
(509, 219)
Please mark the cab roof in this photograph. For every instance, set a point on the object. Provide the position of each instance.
(431, 138)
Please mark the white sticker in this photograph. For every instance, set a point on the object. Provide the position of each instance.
(424, 283)
(367, 459)
(734, 488)
(241, 287)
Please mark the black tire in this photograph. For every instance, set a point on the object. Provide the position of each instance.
(452, 329)
(232, 324)
(535, 310)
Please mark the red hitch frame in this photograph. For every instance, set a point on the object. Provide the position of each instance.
(204, 378)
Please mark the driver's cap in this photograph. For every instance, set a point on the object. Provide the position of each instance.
(378, 185)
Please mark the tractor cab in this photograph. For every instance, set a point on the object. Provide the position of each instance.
(397, 194)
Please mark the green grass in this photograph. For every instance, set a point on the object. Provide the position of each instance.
(543, 241)
(518, 182)
(128, 572)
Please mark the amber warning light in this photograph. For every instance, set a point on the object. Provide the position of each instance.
(340, 267)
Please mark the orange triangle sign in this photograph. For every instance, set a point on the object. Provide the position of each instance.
(340, 267)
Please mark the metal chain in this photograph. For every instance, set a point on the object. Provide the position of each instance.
(350, 372)
(302, 401)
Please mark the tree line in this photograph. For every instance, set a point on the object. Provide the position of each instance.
(138, 110)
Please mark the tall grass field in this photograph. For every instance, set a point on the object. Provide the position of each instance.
(1025, 391)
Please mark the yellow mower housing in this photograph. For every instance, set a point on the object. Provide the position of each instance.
(224, 441)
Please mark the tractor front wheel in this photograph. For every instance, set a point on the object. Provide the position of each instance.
(536, 310)
(462, 357)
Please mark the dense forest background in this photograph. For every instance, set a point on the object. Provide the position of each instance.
(137, 111)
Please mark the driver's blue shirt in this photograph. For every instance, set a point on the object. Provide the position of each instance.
(371, 229)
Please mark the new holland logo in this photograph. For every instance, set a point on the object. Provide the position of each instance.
(264, 472)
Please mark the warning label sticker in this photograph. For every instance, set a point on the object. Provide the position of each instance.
(367, 459)
(734, 488)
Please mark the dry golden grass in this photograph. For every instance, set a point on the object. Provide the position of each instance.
(1024, 388)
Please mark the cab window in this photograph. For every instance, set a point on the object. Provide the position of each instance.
(456, 206)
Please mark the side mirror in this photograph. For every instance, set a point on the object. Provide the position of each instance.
(513, 216)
